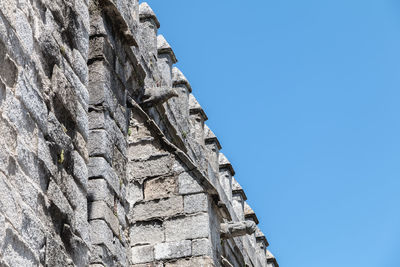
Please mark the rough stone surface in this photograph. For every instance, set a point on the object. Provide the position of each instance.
(188, 227)
(171, 250)
(195, 203)
(105, 157)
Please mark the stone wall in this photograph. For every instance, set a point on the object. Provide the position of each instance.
(105, 157)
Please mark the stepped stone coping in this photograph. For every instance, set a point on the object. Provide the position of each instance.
(260, 236)
(209, 137)
(163, 47)
(145, 12)
(271, 258)
(195, 107)
(237, 189)
(179, 78)
(249, 213)
(225, 163)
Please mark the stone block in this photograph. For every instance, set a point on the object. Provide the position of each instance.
(32, 231)
(56, 132)
(80, 67)
(100, 94)
(100, 144)
(54, 254)
(172, 250)
(195, 203)
(160, 187)
(98, 190)
(201, 247)
(15, 252)
(141, 147)
(148, 233)
(188, 184)
(80, 170)
(66, 94)
(142, 254)
(100, 210)
(9, 71)
(19, 119)
(56, 196)
(80, 89)
(119, 163)
(120, 117)
(100, 232)
(102, 78)
(134, 193)
(157, 209)
(189, 227)
(26, 188)
(45, 155)
(75, 194)
(98, 167)
(80, 145)
(33, 102)
(101, 49)
(97, 119)
(154, 166)
(28, 162)
(101, 254)
(121, 214)
(120, 252)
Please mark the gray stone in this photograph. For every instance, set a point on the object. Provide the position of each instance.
(98, 191)
(188, 184)
(143, 211)
(100, 232)
(99, 210)
(33, 101)
(58, 199)
(135, 193)
(195, 203)
(163, 47)
(160, 188)
(154, 166)
(16, 252)
(8, 72)
(100, 145)
(142, 254)
(145, 12)
(80, 169)
(147, 233)
(98, 167)
(188, 227)
(201, 247)
(171, 250)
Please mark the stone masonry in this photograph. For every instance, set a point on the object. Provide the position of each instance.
(105, 157)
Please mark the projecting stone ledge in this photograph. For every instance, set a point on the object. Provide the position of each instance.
(234, 229)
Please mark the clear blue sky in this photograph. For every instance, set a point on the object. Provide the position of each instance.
(305, 99)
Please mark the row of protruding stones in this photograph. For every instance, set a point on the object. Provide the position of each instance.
(201, 143)
(112, 79)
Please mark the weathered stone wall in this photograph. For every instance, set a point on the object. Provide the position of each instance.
(105, 157)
